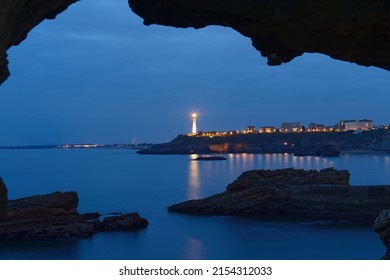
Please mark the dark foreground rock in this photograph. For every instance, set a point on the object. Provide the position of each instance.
(349, 30)
(382, 227)
(55, 216)
(18, 17)
(3, 199)
(324, 194)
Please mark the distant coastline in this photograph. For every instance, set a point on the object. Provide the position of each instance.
(78, 146)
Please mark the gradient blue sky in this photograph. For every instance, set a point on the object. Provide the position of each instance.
(97, 74)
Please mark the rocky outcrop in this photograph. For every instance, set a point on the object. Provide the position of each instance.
(382, 227)
(18, 17)
(294, 193)
(288, 177)
(350, 30)
(55, 216)
(3, 199)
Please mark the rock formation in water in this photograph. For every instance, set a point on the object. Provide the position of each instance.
(3, 199)
(55, 216)
(296, 194)
(18, 17)
(382, 227)
(350, 30)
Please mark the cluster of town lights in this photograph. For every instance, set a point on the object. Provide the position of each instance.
(292, 127)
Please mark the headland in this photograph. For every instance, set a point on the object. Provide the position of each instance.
(299, 144)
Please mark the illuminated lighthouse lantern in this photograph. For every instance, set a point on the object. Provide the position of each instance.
(194, 118)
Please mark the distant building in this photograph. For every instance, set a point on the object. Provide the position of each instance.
(250, 129)
(331, 128)
(212, 134)
(267, 129)
(315, 127)
(346, 125)
(291, 127)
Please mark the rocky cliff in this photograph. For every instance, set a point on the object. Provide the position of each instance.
(295, 194)
(55, 216)
(350, 30)
(319, 143)
(382, 227)
(18, 17)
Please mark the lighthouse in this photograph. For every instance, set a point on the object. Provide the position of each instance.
(194, 118)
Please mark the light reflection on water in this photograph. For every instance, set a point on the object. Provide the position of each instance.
(121, 180)
(193, 178)
(364, 169)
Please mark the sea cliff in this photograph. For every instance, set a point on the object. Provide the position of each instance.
(319, 143)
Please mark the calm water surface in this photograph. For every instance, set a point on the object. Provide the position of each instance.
(123, 181)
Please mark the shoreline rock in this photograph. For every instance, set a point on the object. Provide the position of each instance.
(324, 194)
(55, 216)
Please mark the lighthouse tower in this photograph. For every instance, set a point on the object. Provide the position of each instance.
(194, 118)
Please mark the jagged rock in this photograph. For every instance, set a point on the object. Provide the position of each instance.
(294, 193)
(18, 17)
(350, 30)
(55, 216)
(382, 227)
(3, 199)
(280, 29)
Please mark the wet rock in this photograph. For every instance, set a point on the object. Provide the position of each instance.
(382, 227)
(3, 199)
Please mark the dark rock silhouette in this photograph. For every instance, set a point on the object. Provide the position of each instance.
(350, 30)
(3, 199)
(18, 17)
(382, 227)
(357, 31)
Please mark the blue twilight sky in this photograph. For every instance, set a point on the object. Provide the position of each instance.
(97, 74)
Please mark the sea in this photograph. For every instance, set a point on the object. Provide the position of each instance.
(120, 180)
